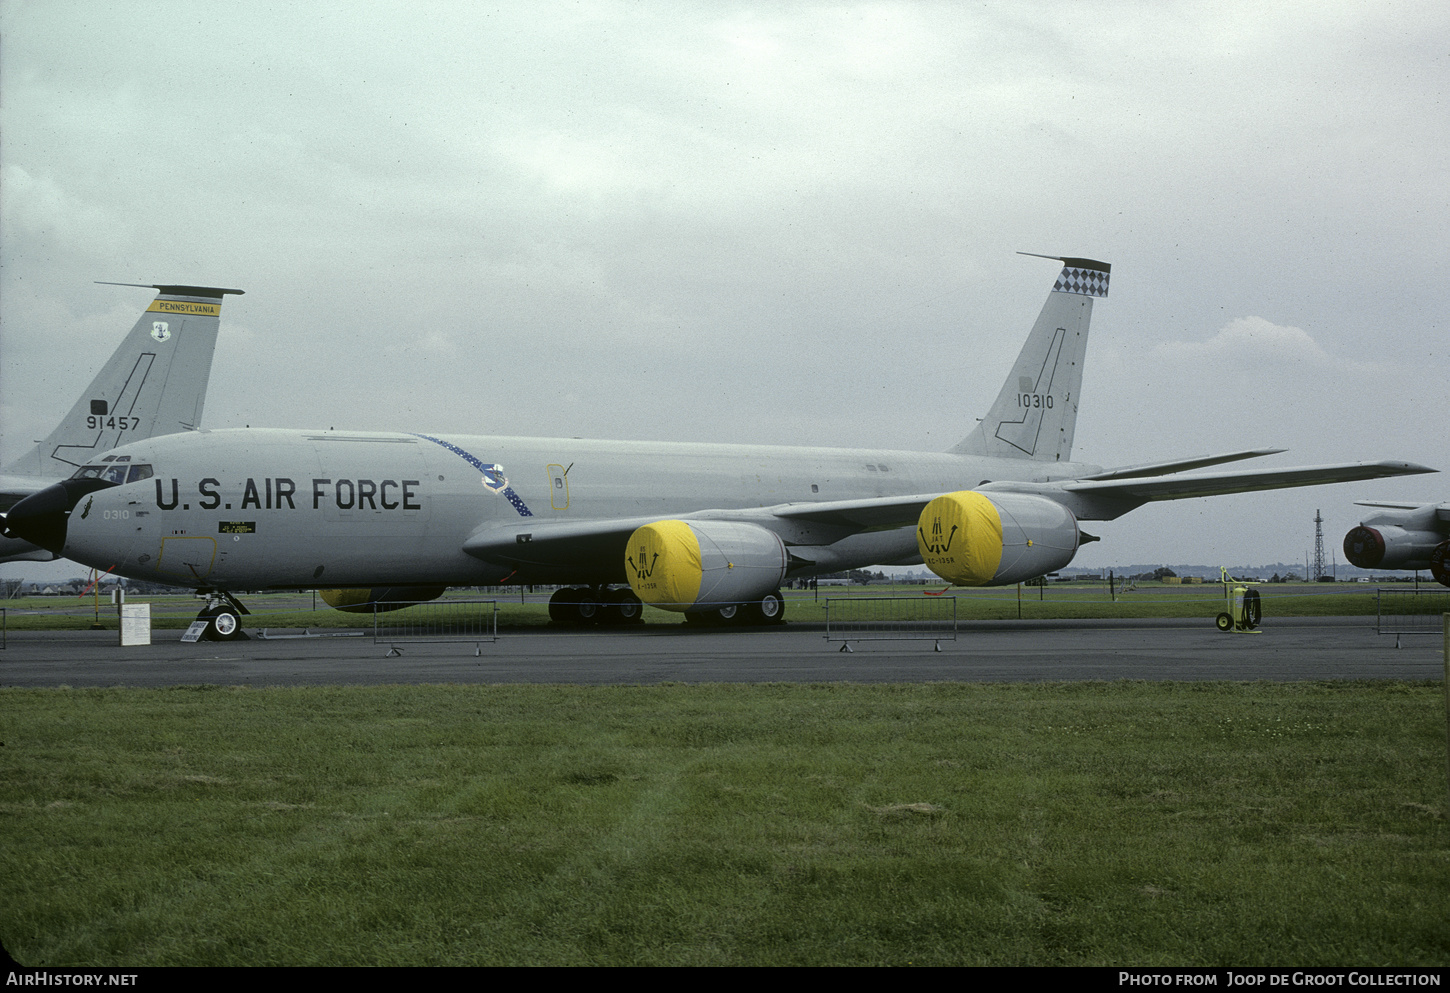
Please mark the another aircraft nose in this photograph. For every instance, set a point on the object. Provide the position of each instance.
(42, 517)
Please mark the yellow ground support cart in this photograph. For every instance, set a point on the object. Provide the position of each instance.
(1243, 610)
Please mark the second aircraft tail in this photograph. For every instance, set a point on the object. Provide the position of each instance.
(153, 384)
(1036, 412)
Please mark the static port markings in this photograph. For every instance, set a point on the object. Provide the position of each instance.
(274, 493)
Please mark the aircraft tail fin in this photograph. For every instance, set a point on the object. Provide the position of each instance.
(1036, 412)
(153, 384)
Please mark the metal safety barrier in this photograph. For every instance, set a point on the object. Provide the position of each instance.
(888, 618)
(437, 623)
(1400, 612)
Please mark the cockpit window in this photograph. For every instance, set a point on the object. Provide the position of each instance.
(115, 472)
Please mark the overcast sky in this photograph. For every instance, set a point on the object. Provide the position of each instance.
(772, 223)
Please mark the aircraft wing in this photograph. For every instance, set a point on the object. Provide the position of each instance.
(554, 543)
(1134, 484)
(1214, 484)
(1182, 465)
(560, 543)
(874, 514)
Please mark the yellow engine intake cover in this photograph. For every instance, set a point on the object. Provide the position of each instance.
(959, 536)
(662, 561)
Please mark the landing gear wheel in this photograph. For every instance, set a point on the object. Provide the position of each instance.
(586, 607)
(623, 607)
(1224, 622)
(731, 613)
(222, 624)
(770, 609)
(561, 606)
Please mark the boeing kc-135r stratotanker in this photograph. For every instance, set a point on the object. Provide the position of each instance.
(710, 530)
(154, 383)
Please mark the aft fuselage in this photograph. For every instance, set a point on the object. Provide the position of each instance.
(253, 509)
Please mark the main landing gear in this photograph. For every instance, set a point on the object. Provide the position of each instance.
(769, 609)
(580, 607)
(223, 615)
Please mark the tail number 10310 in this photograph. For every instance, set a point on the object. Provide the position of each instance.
(1035, 400)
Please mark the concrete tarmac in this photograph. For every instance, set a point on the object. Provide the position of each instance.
(999, 651)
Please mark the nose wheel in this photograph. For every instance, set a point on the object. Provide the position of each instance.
(223, 616)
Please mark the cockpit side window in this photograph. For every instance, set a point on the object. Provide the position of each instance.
(115, 472)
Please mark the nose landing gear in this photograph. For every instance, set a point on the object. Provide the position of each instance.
(223, 616)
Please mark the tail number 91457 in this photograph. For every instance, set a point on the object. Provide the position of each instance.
(122, 422)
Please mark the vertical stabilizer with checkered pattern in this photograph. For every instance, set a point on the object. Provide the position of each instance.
(1036, 412)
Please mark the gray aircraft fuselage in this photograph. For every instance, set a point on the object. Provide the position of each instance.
(247, 509)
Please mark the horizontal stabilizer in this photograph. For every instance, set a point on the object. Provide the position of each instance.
(170, 290)
(1397, 504)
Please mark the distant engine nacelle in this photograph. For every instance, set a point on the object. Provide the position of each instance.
(1389, 546)
(364, 601)
(702, 565)
(975, 539)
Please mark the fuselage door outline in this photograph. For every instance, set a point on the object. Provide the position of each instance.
(558, 486)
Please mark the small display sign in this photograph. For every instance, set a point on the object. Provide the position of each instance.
(135, 624)
(236, 527)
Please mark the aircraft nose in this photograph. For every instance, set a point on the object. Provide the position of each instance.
(42, 517)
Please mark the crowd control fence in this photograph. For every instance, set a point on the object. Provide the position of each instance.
(446, 621)
(1401, 612)
(886, 618)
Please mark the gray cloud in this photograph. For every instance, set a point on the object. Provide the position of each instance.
(729, 223)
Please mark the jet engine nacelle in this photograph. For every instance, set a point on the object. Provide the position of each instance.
(381, 598)
(973, 539)
(1390, 546)
(702, 565)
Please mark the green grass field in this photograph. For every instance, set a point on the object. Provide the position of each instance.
(296, 610)
(941, 824)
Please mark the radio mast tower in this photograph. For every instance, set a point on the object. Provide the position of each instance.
(1318, 547)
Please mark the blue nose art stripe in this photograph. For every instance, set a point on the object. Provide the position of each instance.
(508, 492)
